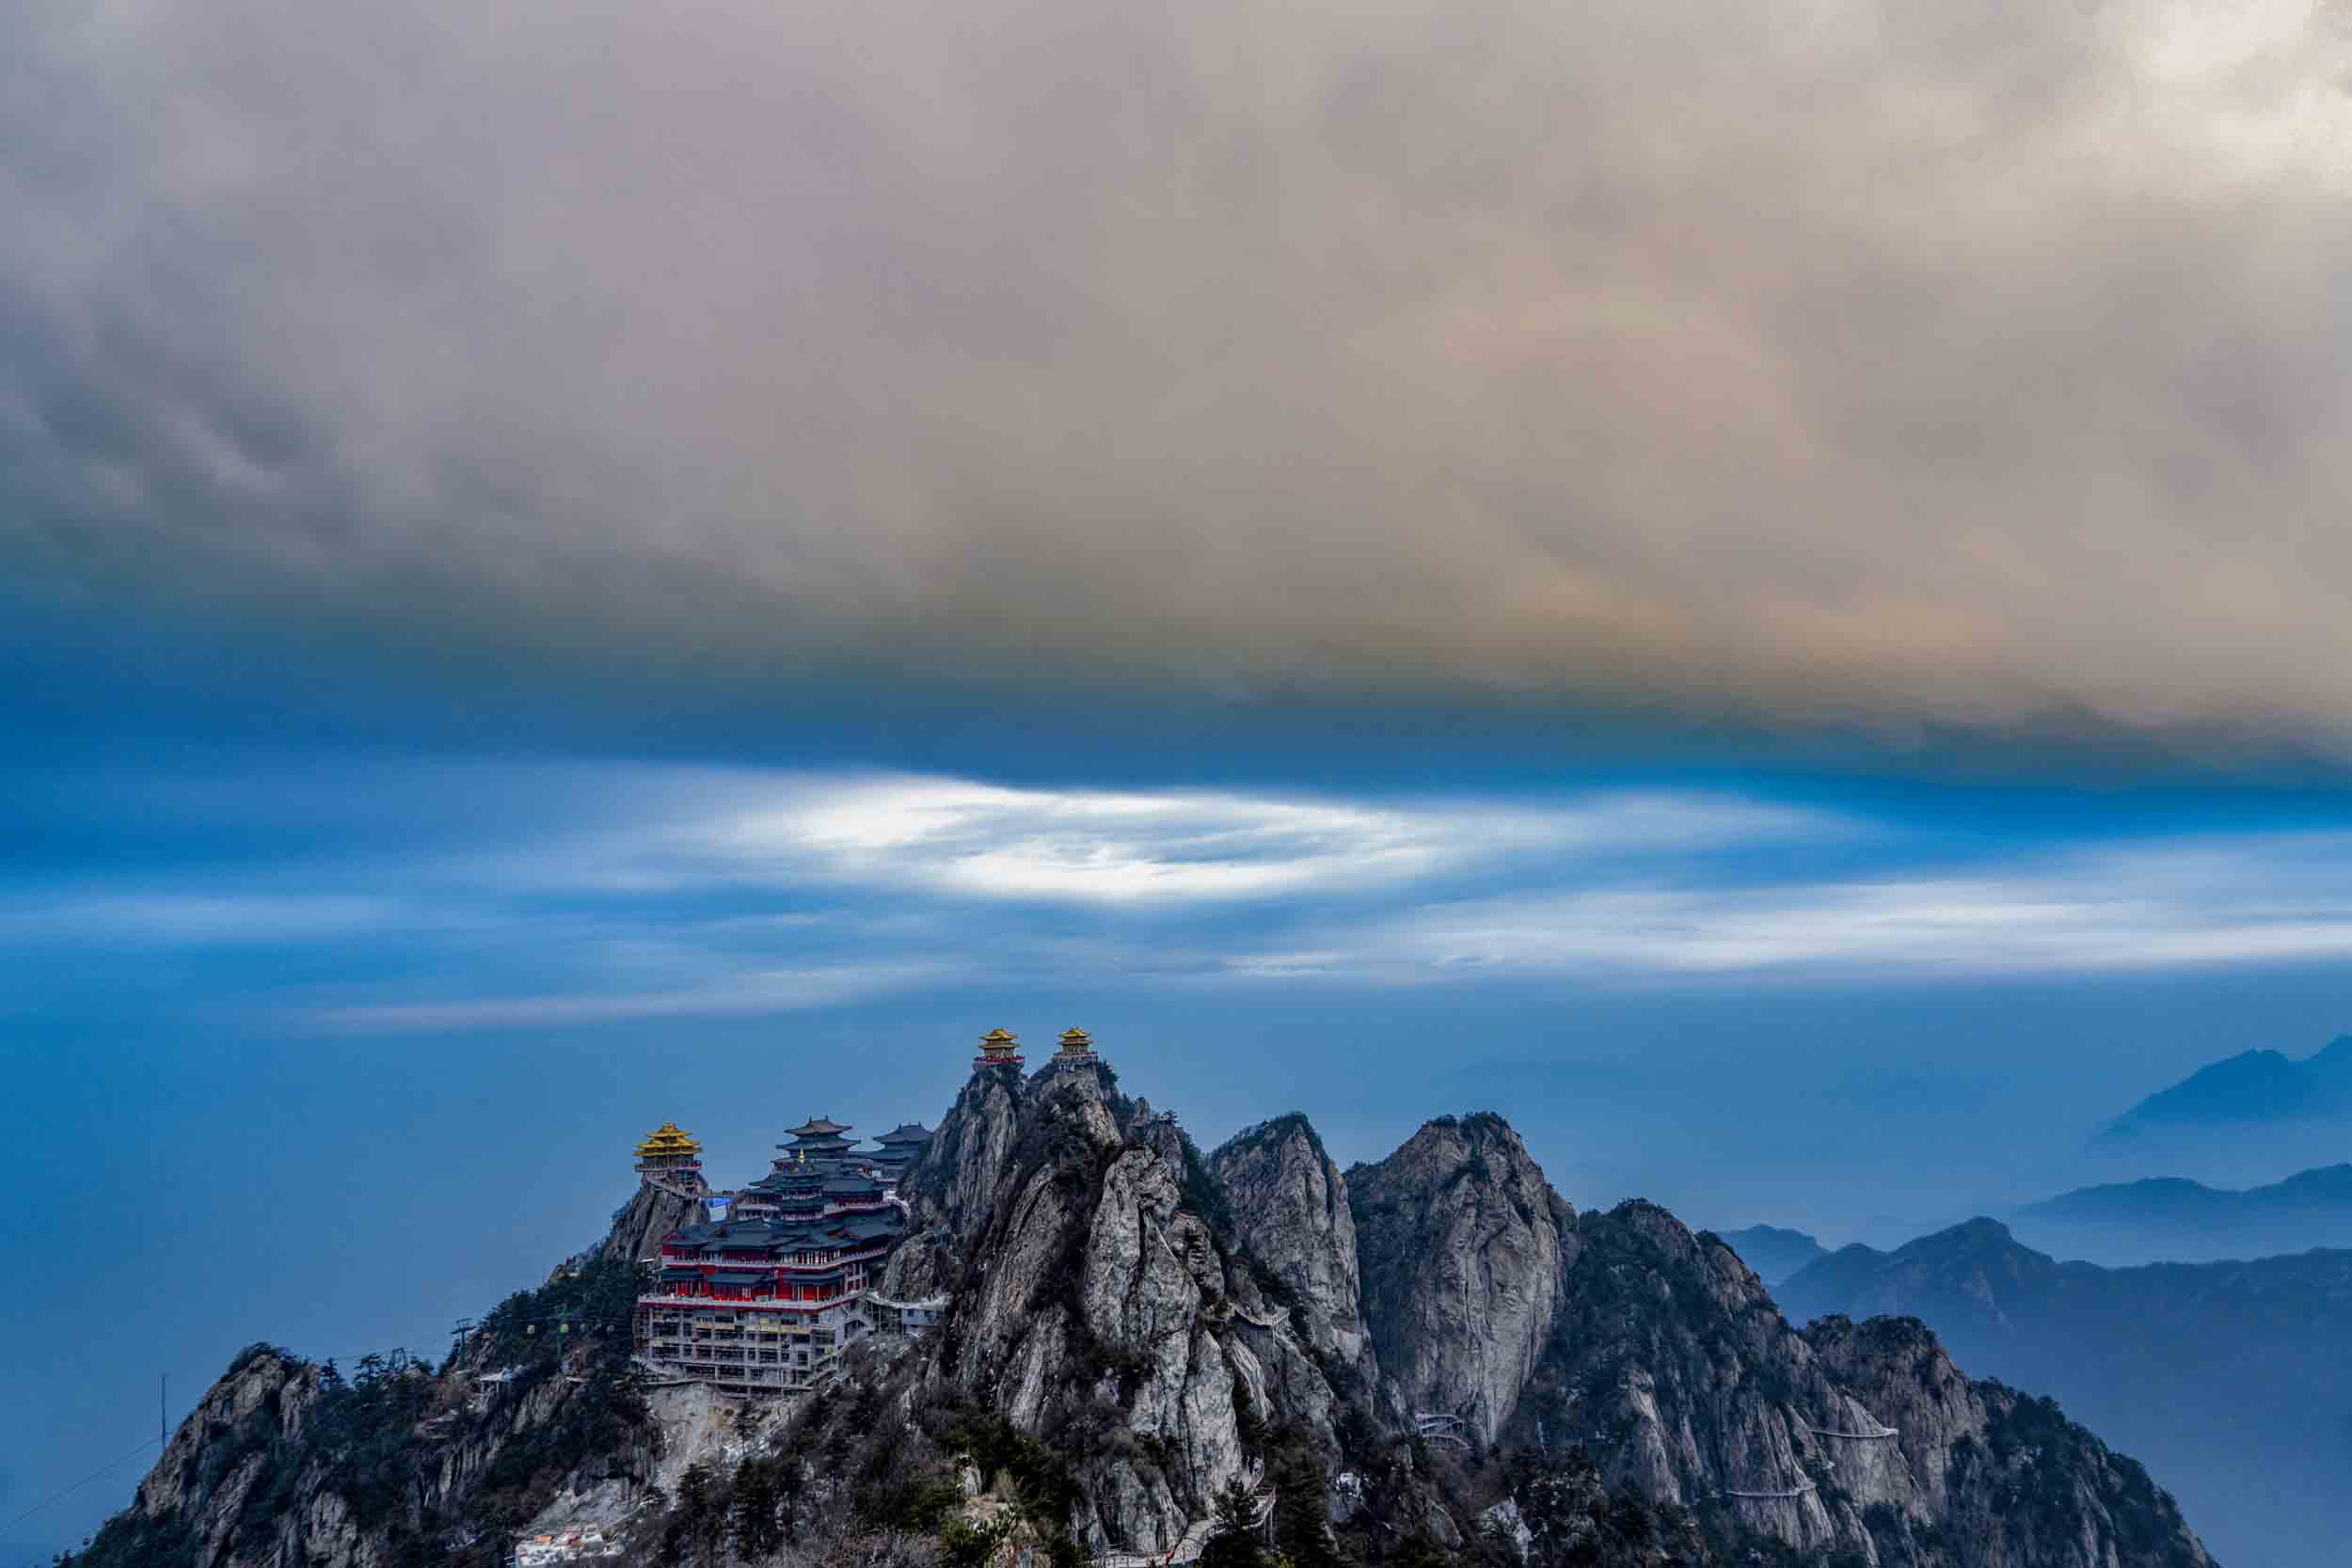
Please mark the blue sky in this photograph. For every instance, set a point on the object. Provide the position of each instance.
(1760, 588)
(360, 1034)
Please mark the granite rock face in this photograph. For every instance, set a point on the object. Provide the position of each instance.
(1462, 1250)
(1289, 1207)
(1998, 1477)
(249, 1480)
(1674, 1369)
(951, 1189)
(1093, 1288)
(639, 1226)
(2160, 1360)
(200, 1481)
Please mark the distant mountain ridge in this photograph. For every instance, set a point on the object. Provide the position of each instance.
(2173, 1219)
(1774, 1252)
(2232, 1379)
(2253, 1087)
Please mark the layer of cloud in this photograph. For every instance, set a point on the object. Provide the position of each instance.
(733, 893)
(758, 993)
(1830, 360)
(165, 918)
(975, 840)
(2251, 900)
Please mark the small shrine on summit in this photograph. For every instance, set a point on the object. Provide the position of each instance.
(669, 1154)
(1077, 1046)
(999, 1047)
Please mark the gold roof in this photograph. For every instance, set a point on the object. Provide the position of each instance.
(1074, 1041)
(667, 1139)
(999, 1040)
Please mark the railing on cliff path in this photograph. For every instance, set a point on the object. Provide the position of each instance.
(1190, 1545)
(1772, 1496)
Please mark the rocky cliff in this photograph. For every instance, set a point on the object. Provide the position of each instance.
(2171, 1362)
(1105, 1296)
(1672, 1367)
(951, 1189)
(1991, 1475)
(286, 1462)
(1432, 1354)
(639, 1225)
(1291, 1209)
(1463, 1249)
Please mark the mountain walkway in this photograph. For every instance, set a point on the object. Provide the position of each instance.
(1772, 1496)
(1196, 1537)
(1439, 1426)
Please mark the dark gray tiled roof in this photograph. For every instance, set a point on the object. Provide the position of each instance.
(817, 1125)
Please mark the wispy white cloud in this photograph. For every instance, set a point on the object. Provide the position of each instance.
(986, 841)
(741, 894)
(2248, 900)
(753, 993)
(150, 916)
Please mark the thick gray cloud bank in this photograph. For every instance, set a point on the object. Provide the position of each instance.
(1813, 361)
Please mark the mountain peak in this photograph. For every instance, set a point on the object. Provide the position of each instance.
(1274, 1129)
(1980, 1234)
(1464, 1249)
(2252, 1088)
(1774, 1252)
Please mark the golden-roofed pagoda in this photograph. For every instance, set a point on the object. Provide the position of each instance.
(668, 1138)
(670, 1152)
(998, 1046)
(1076, 1045)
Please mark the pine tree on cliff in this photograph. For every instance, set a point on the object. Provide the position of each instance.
(700, 1523)
(1301, 1529)
(758, 1496)
(1234, 1542)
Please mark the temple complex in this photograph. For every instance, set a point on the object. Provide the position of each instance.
(764, 1300)
(763, 1297)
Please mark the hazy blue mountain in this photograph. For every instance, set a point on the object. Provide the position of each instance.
(1772, 1252)
(2175, 1220)
(2232, 1381)
(2252, 1088)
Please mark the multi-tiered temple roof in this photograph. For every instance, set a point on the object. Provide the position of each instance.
(817, 1127)
(668, 1141)
(1076, 1046)
(818, 1138)
(900, 1147)
(998, 1046)
(672, 1154)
